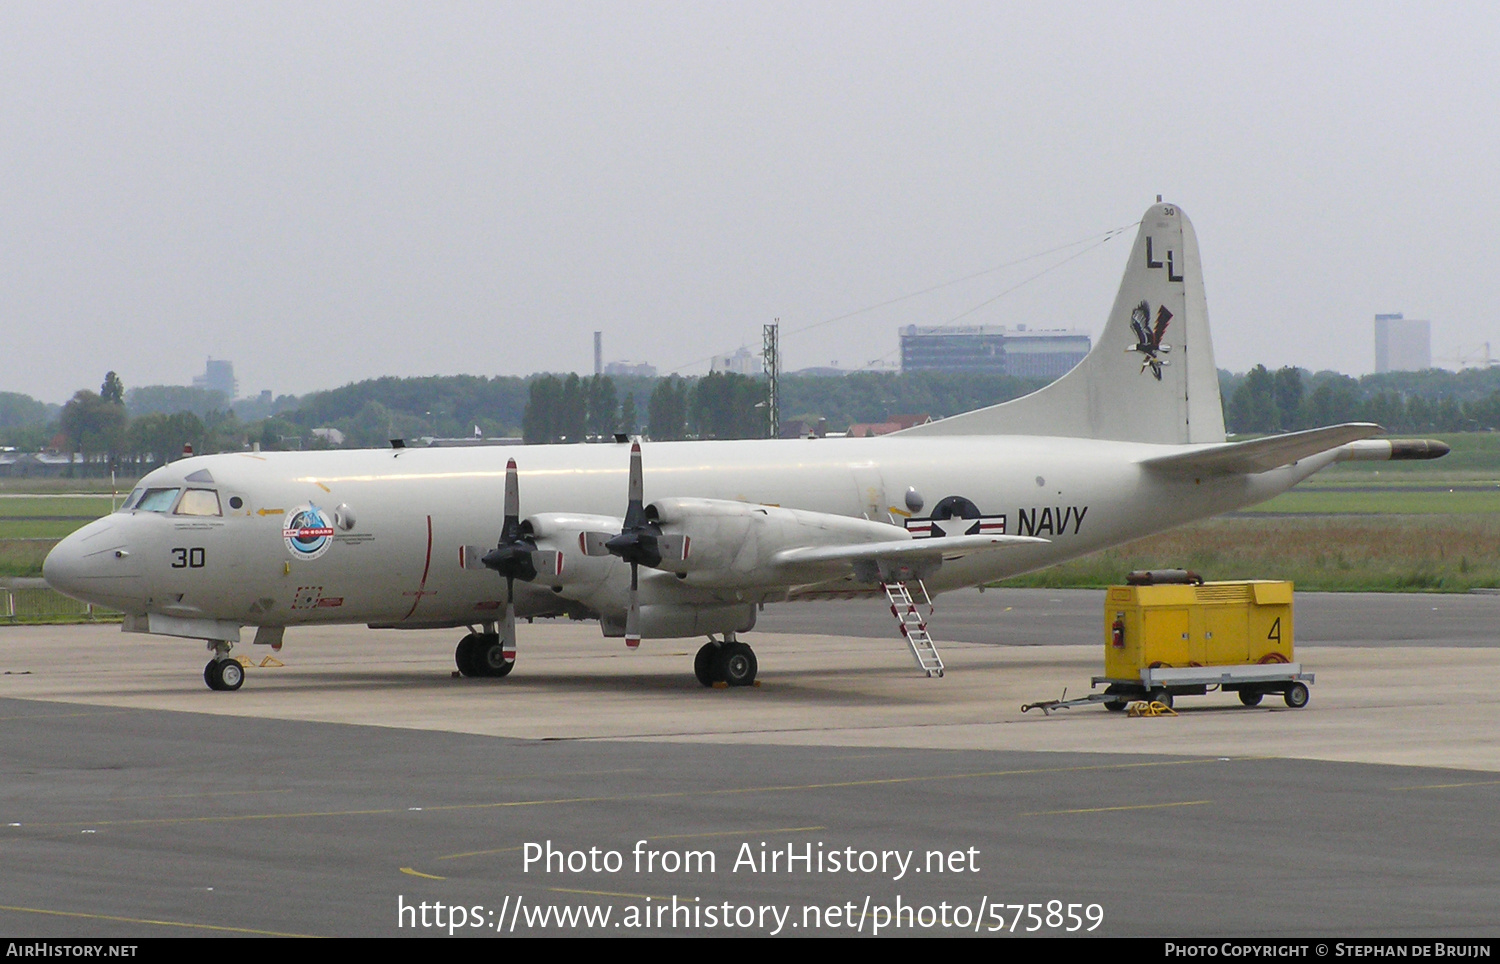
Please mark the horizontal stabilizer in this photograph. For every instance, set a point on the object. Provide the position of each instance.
(1262, 454)
(900, 550)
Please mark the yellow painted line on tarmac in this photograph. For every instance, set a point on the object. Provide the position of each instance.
(629, 797)
(1450, 786)
(673, 836)
(418, 873)
(154, 923)
(1139, 806)
(479, 853)
(607, 893)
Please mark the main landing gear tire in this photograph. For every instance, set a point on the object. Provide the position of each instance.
(1296, 695)
(480, 654)
(736, 664)
(224, 674)
(732, 664)
(464, 655)
(703, 663)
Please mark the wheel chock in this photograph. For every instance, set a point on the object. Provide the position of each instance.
(271, 662)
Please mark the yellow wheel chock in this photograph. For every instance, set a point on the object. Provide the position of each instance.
(270, 662)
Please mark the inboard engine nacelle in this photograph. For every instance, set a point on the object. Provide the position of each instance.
(726, 543)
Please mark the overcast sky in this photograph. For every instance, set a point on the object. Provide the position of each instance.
(329, 192)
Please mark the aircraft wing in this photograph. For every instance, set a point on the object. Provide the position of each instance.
(902, 551)
(1262, 454)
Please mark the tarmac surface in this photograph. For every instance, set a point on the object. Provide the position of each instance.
(339, 793)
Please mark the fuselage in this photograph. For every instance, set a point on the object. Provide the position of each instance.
(378, 536)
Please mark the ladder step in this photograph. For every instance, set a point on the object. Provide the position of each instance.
(913, 627)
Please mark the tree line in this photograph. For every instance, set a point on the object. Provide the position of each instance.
(136, 429)
(1290, 399)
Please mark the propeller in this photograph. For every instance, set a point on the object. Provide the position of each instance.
(516, 557)
(640, 542)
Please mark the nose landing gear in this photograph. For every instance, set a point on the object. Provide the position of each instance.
(223, 673)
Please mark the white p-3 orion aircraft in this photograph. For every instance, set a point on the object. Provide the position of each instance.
(1128, 443)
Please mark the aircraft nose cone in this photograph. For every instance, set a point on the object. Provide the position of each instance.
(64, 567)
(94, 564)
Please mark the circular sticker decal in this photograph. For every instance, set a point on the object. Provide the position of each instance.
(308, 533)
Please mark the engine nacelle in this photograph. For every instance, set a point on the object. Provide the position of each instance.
(732, 543)
(680, 621)
(565, 533)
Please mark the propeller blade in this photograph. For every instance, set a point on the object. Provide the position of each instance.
(633, 614)
(635, 512)
(595, 543)
(674, 548)
(508, 628)
(548, 562)
(512, 492)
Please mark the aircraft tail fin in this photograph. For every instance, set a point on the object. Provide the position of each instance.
(1151, 376)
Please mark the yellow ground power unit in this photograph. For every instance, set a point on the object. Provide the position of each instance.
(1167, 633)
(1210, 624)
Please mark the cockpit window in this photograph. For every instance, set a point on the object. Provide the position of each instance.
(157, 500)
(199, 502)
(130, 500)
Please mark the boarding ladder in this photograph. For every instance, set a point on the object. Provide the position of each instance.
(913, 626)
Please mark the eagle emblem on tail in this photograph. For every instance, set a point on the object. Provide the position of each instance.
(1148, 334)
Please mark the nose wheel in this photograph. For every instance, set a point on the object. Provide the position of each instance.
(224, 674)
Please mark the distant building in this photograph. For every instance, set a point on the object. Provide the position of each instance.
(992, 349)
(218, 376)
(1402, 344)
(638, 369)
(742, 362)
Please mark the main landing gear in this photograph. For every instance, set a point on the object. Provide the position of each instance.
(480, 654)
(222, 672)
(729, 662)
